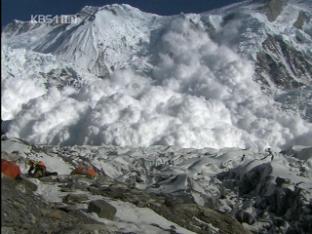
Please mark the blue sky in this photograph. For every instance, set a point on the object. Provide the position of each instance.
(23, 9)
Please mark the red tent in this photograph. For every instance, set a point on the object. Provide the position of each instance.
(10, 169)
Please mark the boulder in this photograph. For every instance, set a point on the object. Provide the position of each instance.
(247, 216)
(103, 209)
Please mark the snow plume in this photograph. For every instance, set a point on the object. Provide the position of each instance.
(197, 94)
(15, 93)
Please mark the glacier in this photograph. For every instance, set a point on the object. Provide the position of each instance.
(146, 185)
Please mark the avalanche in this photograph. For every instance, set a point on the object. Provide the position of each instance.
(186, 80)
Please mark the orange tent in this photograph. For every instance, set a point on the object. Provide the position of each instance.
(83, 170)
(91, 171)
(10, 169)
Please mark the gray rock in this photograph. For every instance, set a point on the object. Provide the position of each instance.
(103, 209)
(246, 216)
(75, 198)
(273, 8)
(302, 18)
(252, 181)
(280, 181)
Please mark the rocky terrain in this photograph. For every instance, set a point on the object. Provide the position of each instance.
(23, 211)
(194, 191)
(26, 212)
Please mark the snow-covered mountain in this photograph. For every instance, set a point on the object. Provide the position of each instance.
(239, 76)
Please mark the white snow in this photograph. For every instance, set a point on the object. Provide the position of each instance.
(149, 80)
(143, 218)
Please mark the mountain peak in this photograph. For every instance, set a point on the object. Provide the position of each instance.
(115, 9)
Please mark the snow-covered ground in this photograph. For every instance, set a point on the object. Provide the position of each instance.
(229, 179)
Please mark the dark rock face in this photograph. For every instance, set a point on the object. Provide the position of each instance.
(4, 126)
(281, 65)
(272, 197)
(274, 60)
(103, 209)
(18, 27)
(252, 181)
(62, 78)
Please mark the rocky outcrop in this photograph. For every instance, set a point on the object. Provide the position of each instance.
(283, 66)
(286, 207)
(103, 209)
(301, 20)
(62, 78)
(25, 212)
(181, 210)
(273, 8)
(287, 67)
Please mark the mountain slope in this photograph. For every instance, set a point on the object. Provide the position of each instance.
(239, 76)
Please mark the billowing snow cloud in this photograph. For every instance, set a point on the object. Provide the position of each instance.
(197, 94)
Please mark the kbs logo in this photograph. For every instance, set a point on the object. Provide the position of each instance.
(58, 19)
